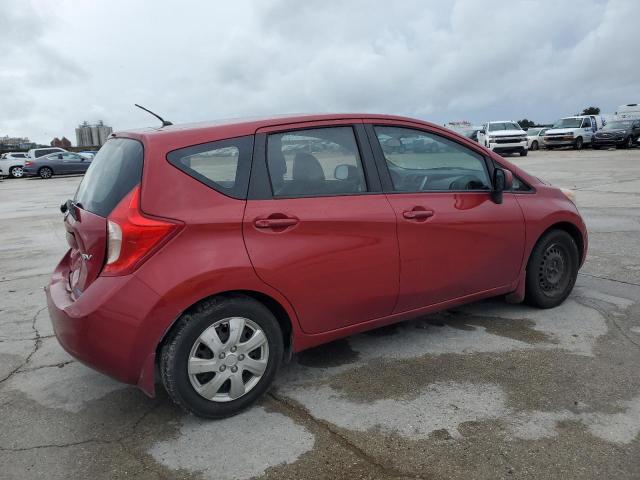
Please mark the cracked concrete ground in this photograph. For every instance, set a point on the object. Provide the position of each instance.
(488, 390)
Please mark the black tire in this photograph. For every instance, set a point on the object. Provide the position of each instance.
(16, 172)
(552, 270)
(523, 152)
(629, 142)
(534, 145)
(45, 172)
(177, 348)
(578, 144)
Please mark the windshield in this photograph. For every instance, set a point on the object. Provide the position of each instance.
(568, 123)
(493, 127)
(618, 125)
(532, 132)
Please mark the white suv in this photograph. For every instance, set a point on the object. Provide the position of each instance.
(504, 137)
(11, 164)
(41, 152)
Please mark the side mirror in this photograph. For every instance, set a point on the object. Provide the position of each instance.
(341, 172)
(502, 181)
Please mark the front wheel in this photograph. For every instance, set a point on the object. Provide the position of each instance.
(222, 356)
(629, 142)
(523, 152)
(45, 172)
(578, 143)
(534, 145)
(552, 269)
(16, 172)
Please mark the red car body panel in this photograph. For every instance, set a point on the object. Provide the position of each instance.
(345, 249)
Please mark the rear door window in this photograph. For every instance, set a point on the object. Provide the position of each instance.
(46, 151)
(315, 162)
(223, 165)
(114, 171)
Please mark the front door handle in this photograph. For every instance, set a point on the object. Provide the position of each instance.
(275, 222)
(417, 214)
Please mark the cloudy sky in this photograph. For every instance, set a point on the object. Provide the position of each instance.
(68, 61)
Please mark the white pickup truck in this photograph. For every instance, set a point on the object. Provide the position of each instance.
(504, 137)
(574, 132)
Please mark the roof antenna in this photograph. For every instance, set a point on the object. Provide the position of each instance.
(165, 123)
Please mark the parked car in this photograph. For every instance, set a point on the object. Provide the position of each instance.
(504, 137)
(11, 164)
(41, 152)
(535, 137)
(260, 251)
(56, 164)
(574, 132)
(620, 133)
(88, 154)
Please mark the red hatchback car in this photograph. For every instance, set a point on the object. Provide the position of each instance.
(213, 252)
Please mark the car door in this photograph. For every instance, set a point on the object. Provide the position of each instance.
(454, 240)
(56, 162)
(587, 131)
(69, 162)
(317, 226)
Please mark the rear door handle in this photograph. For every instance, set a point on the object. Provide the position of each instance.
(417, 214)
(275, 222)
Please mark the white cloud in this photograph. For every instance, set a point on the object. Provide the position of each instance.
(194, 60)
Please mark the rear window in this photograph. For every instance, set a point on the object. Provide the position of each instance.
(223, 165)
(46, 151)
(114, 171)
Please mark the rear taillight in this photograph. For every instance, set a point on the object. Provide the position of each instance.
(28, 163)
(132, 236)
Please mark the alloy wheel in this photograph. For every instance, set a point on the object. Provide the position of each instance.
(46, 172)
(228, 359)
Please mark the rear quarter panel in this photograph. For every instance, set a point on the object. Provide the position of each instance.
(207, 257)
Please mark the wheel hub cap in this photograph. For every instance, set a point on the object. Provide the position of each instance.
(228, 359)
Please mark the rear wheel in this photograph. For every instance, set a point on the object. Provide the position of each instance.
(16, 172)
(534, 145)
(578, 143)
(221, 357)
(552, 269)
(45, 172)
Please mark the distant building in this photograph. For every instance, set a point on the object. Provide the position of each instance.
(9, 144)
(92, 135)
(61, 143)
